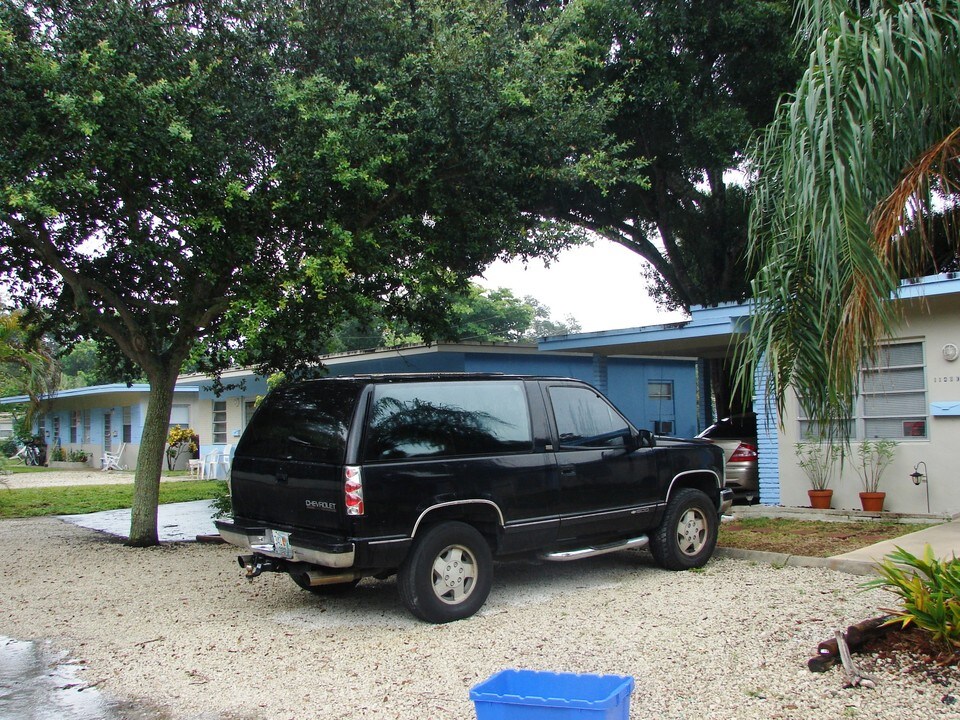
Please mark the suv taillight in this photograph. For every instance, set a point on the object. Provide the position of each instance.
(353, 490)
(744, 453)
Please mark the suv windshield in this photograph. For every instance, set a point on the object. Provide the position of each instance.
(307, 422)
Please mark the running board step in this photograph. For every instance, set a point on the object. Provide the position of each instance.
(567, 555)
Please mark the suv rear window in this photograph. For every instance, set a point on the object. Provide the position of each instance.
(409, 420)
(307, 422)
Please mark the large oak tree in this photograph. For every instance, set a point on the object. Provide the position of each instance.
(249, 174)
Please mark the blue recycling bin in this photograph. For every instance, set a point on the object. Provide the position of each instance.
(537, 695)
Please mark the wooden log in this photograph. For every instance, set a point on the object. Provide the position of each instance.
(855, 636)
(821, 663)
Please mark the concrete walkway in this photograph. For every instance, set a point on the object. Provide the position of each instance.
(176, 522)
(944, 539)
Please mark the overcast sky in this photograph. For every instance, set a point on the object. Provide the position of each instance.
(602, 286)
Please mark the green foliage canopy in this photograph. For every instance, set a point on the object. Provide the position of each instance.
(248, 174)
(697, 80)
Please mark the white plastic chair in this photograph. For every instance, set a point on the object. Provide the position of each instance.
(216, 465)
(111, 460)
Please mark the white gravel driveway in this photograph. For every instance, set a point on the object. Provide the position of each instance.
(178, 628)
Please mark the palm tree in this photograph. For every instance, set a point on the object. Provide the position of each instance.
(27, 362)
(850, 177)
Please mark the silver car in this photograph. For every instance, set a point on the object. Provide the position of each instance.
(737, 436)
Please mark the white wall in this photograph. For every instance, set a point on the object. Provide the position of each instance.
(935, 322)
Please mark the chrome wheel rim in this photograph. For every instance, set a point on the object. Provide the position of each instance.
(692, 532)
(454, 574)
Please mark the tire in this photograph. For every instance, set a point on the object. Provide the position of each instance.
(448, 573)
(333, 590)
(687, 534)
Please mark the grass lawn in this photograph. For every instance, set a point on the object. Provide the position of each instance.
(811, 538)
(80, 499)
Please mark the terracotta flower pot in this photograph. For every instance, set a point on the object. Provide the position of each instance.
(820, 499)
(872, 501)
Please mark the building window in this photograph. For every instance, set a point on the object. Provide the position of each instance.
(663, 427)
(660, 389)
(893, 396)
(893, 393)
(127, 424)
(74, 425)
(107, 431)
(87, 421)
(180, 416)
(56, 429)
(219, 422)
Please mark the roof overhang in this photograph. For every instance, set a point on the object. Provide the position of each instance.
(115, 388)
(709, 333)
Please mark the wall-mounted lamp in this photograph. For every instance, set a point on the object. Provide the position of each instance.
(921, 477)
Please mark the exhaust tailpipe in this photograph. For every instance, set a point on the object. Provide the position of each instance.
(313, 578)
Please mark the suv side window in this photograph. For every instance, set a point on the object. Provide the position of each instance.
(422, 420)
(584, 419)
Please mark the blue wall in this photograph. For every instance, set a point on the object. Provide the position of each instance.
(626, 383)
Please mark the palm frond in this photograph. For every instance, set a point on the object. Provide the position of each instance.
(879, 90)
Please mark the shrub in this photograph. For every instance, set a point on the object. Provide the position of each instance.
(222, 504)
(8, 447)
(58, 454)
(929, 590)
(179, 441)
(78, 456)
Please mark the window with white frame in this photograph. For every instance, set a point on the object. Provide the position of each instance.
(180, 416)
(87, 420)
(74, 425)
(219, 422)
(893, 393)
(893, 396)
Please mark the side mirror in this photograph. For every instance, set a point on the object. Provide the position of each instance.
(645, 438)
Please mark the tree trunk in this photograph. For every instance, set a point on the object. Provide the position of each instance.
(146, 483)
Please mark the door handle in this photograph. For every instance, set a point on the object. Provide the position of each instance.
(281, 476)
(568, 470)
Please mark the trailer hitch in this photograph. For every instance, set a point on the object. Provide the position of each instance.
(256, 564)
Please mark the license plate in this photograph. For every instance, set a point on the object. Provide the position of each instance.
(281, 543)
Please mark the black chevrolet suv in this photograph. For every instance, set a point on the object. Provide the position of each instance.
(432, 476)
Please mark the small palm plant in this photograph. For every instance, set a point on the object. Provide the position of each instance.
(929, 590)
(875, 456)
(817, 460)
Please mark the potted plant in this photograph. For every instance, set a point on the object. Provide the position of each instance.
(874, 456)
(817, 461)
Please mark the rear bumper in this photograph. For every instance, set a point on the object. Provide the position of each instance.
(324, 551)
